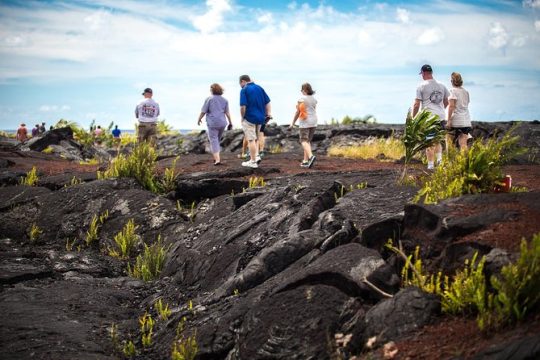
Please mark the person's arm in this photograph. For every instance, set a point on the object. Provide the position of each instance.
(416, 107)
(296, 115)
(201, 115)
(445, 102)
(137, 112)
(158, 112)
(451, 109)
(268, 110)
(242, 111)
(228, 115)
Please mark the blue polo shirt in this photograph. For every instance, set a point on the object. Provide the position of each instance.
(254, 98)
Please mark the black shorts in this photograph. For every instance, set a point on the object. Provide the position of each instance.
(457, 131)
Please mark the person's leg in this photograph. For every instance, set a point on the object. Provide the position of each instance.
(250, 134)
(307, 150)
(463, 141)
(217, 156)
(430, 154)
(261, 140)
(244, 146)
(438, 152)
(141, 130)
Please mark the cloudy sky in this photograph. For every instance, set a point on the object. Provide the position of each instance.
(84, 60)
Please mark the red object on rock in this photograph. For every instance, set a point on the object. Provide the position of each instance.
(504, 185)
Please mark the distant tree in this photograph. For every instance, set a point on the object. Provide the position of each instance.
(347, 120)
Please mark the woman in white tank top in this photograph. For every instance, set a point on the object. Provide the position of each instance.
(459, 119)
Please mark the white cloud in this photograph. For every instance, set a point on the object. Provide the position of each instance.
(213, 18)
(97, 19)
(519, 41)
(430, 36)
(292, 5)
(498, 36)
(403, 15)
(535, 4)
(537, 25)
(54, 108)
(265, 19)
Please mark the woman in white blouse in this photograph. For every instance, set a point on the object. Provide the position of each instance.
(459, 119)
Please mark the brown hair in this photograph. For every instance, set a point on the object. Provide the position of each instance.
(216, 89)
(307, 88)
(245, 78)
(456, 79)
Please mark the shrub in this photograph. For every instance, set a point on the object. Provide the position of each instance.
(165, 129)
(163, 310)
(184, 347)
(256, 181)
(129, 349)
(48, 150)
(417, 130)
(148, 265)
(147, 329)
(125, 241)
(140, 164)
(275, 149)
(34, 233)
(391, 148)
(168, 182)
(31, 178)
(92, 232)
(517, 289)
(475, 171)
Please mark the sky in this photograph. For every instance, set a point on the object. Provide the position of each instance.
(90, 60)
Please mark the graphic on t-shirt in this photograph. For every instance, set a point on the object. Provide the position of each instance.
(148, 111)
(436, 97)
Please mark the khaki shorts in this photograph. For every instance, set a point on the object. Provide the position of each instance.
(251, 131)
(306, 134)
(147, 132)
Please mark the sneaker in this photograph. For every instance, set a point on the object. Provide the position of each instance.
(258, 159)
(262, 154)
(311, 161)
(251, 164)
(304, 164)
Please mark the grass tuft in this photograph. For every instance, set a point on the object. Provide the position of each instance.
(390, 148)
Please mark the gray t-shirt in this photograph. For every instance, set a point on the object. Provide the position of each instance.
(215, 108)
(309, 105)
(432, 94)
(147, 111)
(461, 116)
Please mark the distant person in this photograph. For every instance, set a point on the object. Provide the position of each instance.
(147, 112)
(22, 133)
(459, 119)
(51, 127)
(255, 110)
(99, 131)
(218, 117)
(307, 116)
(35, 130)
(42, 128)
(433, 96)
(116, 135)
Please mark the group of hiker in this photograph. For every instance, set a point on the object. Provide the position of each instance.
(255, 112)
(22, 132)
(451, 106)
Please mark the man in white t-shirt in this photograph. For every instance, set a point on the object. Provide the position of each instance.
(147, 112)
(433, 96)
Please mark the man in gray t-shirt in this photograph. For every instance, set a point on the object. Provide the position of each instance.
(433, 96)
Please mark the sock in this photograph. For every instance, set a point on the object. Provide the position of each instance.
(430, 165)
(439, 157)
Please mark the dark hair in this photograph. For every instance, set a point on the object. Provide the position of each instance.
(216, 89)
(456, 79)
(307, 88)
(245, 78)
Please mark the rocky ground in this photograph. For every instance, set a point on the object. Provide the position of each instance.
(275, 272)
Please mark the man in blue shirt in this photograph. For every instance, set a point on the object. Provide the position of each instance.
(255, 110)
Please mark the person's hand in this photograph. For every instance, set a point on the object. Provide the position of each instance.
(229, 127)
(199, 122)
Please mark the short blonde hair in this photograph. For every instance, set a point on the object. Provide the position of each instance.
(456, 79)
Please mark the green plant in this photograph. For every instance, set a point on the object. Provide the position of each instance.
(168, 182)
(165, 129)
(476, 170)
(339, 194)
(31, 178)
(114, 335)
(256, 181)
(518, 287)
(467, 291)
(389, 148)
(34, 233)
(191, 213)
(147, 328)
(163, 310)
(70, 244)
(275, 149)
(140, 164)
(75, 181)
(184, 347)
(148, 265)
(48, 150)
(129, 349)
(421, 132)
(92, 232)
(125, 241)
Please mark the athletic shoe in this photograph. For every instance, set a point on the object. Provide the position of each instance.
(262, 154)
(251, 164)
(258, 159)
(304, 164)
(311, 161)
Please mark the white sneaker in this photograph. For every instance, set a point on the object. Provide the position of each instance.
(258, 159)
(251, 164)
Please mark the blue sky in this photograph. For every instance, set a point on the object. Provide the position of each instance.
(85, 60)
